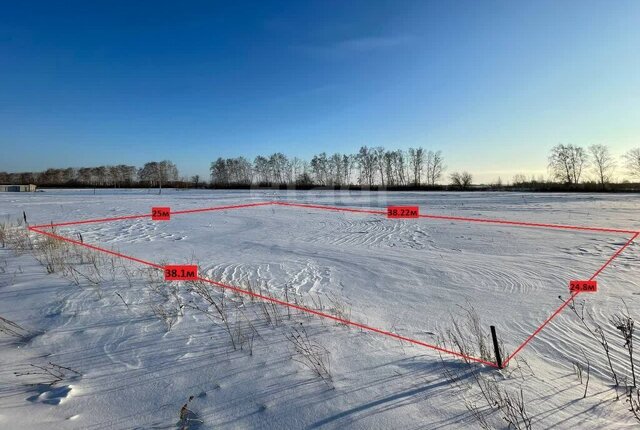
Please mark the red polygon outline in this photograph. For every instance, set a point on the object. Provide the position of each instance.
(635, 234)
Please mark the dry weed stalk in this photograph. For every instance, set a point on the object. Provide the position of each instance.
(311, 354)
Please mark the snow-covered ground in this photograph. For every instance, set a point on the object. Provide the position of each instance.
(124, 368)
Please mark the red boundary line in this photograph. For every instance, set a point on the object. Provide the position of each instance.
(127, 217)
(97, 248)
(272, 299)
(566, 302)
(478, 220)
(37, 229)
(613, 257)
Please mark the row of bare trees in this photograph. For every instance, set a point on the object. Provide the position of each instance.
(570, 164)
(369, 167)
(153, 174)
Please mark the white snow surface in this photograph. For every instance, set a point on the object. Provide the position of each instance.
(410, 277)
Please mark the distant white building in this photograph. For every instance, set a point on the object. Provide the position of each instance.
(18, 188)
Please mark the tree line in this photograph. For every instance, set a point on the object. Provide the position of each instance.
(152, 174)
(368, 167)
(571, 167)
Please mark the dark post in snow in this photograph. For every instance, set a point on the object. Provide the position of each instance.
(496, 348)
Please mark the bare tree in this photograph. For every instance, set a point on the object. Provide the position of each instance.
(395, 167)
(218, 171)
(84, 175)
(632, 162)
(167, 172)
(388, 167)
(261, 167)
(567, 162)
(158, 173)
(416, 162)
(461, 180)
(101, 175)
(366, 163)
(27, 177)
(369, 167)
(112, 175)
(519, 179)
(234, 171)
(378, 155)
(435, 167)
(348, 163)
(401, 166)
(68, 175)
(334, 170)
(278, 164)
(127, 174)
(146, 173)
(320, 168)
(296, 169)
(603, 163)
(241, 171)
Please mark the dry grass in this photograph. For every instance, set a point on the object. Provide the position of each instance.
(11, 329)
(309, 353)
(47, 374)
(239, 315)
(469, 337)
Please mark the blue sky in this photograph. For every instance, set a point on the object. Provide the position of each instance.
(493, 84)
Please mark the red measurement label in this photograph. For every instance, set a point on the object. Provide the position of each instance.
(403, 212)
(161, 214)
(583, 286)
(181, 273)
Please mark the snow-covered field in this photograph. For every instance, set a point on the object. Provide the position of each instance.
(134, 349)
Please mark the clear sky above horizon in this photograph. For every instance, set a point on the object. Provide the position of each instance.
(493, 84)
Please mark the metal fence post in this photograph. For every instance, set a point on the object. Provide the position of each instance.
(496, 348)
